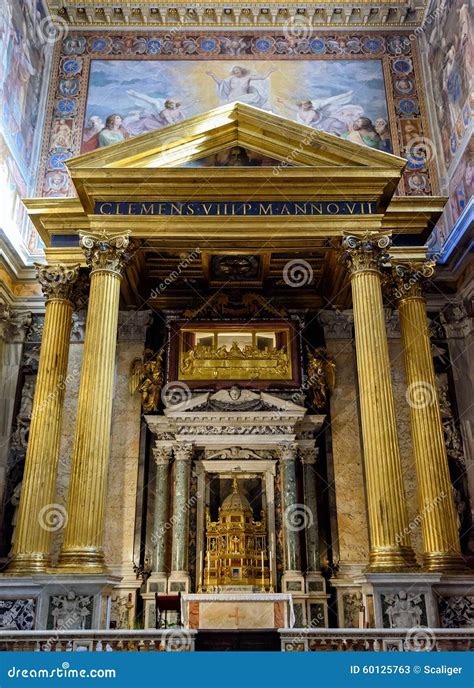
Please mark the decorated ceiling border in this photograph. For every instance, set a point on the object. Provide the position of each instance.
(407, 112)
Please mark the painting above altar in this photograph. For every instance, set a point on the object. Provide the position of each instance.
(343, 97)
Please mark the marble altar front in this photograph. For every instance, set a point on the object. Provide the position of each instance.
(238, 611)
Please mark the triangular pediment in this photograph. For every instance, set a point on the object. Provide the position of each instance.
(256, 131)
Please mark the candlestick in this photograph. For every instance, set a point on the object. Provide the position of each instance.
(263, 573)
(208, 569)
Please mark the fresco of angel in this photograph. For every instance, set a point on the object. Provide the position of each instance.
(240, 85)
(332, 114)
(155, 113)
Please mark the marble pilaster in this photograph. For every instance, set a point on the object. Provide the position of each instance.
(351, 539)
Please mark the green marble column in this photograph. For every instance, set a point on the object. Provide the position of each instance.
(179, 578)
(309, 456)
(293, 512)
(162, 456)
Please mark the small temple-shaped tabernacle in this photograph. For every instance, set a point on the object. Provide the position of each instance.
(236, 546)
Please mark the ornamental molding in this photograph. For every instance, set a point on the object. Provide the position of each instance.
(234, 430)
(58, 281)
(299, 18)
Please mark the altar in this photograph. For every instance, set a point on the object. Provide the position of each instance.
(237, 611)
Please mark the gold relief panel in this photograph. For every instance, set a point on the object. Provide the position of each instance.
(212, 352)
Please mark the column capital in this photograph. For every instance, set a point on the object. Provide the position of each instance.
(183, 451)
(162, 455)
(57, 281)
(309, 455)
(14, 325)
(288, 451)
(408, 279)
(106, 253)
(364, 253)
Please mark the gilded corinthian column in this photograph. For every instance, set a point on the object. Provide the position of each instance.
(38, 515)
(442, 550)
(82, 546)
(179, 578)
(390, 548)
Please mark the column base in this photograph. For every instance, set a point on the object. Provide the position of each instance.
(26, 564)
(179, 581)
(445, 562)
(83, 560)
(57, 602)
(392, 559)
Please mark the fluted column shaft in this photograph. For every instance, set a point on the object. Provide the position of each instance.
(390, 548)
(442, 550)
(162, 456)
(38, 515)
(308, 459)
(179, 548)
(293, 516)
(82, 546)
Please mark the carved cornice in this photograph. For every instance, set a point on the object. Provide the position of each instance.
(107, 253)
(408, 279)
(364, 254)
(58, 281)
(298, 18)
(14, 325)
